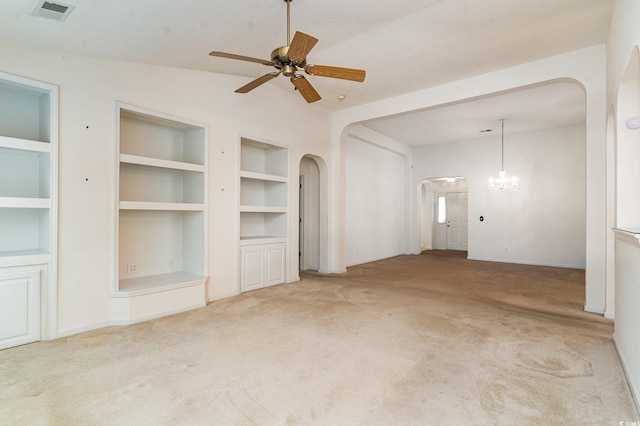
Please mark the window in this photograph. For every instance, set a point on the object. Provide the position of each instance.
(442, 209)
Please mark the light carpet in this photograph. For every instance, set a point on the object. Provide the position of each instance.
(433, 339)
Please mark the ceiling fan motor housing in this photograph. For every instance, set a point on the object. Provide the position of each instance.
(281, 60)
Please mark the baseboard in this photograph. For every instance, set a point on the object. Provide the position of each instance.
(156, 315)
(593, 310)
(527, 262)
(610, 315)
(77, 330)
(633, 387)
(94, 326)
(222, 296)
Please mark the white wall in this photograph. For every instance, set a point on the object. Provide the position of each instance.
(88, 90)
(375, 202)
(622, 46)
(541, 223)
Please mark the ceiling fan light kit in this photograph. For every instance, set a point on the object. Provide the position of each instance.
(290, 60)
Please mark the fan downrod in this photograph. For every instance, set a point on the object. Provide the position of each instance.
(288, 2)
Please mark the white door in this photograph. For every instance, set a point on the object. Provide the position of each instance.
(441, 221)
(457, 221)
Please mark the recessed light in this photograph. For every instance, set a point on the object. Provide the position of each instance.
(341, 97)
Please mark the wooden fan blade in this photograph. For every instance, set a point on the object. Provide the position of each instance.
(336, 72)
(300, 46)
(257, 82)
(240, 58)
(305, 88)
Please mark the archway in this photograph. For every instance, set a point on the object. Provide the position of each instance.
(312, 230)
(443, 219)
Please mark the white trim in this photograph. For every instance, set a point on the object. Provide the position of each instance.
(593, 310)
(527, 262)
(633, 387)
(136, 320)
(223, 296)
(83, 328)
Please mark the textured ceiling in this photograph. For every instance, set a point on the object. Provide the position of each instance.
(404, 45)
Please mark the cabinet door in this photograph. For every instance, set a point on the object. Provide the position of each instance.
(274, 264)
(20, 307)
(252, 267)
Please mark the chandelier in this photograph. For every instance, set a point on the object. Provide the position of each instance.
(503, 183)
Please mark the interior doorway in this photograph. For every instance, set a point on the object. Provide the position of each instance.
(309, 215)
(444, 214)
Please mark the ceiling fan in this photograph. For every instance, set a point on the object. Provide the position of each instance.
(290, 60)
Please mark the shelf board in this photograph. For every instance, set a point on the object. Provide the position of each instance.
(25, 203)
(25, 145)
(157, 283)
(262, 209)
(157, 162)
(262, 176)
(23, 257)
(261, 239)
(149, 205)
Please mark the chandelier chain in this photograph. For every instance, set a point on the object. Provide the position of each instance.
(502, 162)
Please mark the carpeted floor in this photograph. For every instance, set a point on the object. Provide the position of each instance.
(412, 340)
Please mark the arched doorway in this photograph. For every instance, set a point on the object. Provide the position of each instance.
(443, 213)
(312, 240)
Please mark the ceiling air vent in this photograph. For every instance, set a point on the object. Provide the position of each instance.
(52, 10)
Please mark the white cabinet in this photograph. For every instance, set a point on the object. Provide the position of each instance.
(162, 215)
(28, 204)
(263, 209)
(19, 304)
(262, 265)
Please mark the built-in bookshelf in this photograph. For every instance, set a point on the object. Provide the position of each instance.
(263, 209)
(28, 209)
(162, 214)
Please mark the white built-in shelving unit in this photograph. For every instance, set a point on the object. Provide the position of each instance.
(264, 195)
(28, 210)
(162, 215)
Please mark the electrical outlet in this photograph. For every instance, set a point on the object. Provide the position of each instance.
(132, 268)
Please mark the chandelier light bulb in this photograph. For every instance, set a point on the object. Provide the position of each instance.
(503, 183)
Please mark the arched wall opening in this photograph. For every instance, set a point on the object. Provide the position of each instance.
(582, 67)
(313, 215)
(443, 214)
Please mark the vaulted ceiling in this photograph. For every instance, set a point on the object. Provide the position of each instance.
(404, 45)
